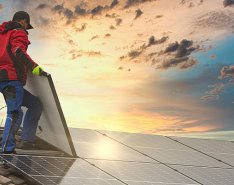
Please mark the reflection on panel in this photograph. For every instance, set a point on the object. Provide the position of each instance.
(91, 144)
(144, 140)
(142, 173)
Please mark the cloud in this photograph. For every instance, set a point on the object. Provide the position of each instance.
(68, 13)
(130, 3)
(113, 15)
(137, 52)
(118, 21)
(183, 49)
(79, 10)
(158, 16)
(42, 6)
(214, 93)
(134, 53)
(79, 53)
(112, 27)
(217, 20)
(58, 8)
(228, 3)
(82, 28)
(94, 37)
(227, 71)
(138, 13)
(114, 3)
(172, 47)
(182, 63)
(97, 10)
(64, 11)
(191, 4)
(178, 55)
(107, 35)
(153, 41)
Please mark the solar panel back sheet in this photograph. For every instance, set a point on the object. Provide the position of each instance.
(52, 124)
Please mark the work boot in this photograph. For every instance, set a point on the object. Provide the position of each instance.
(26, 145)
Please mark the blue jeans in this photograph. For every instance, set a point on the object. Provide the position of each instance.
(15, 97)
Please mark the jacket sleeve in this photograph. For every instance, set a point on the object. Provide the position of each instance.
(19, 44)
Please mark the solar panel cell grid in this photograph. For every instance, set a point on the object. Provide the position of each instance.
(208, 145)
(209, 176)
(58, 170)
(133, 172)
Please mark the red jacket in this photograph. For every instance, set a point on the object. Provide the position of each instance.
(14, 60)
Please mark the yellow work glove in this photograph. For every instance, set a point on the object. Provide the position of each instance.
(37, 71)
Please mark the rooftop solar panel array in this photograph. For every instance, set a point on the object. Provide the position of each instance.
(135, 159)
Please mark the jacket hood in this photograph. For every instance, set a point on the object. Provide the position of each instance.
(11, 25)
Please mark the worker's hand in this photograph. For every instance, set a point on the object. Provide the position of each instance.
(37, 71)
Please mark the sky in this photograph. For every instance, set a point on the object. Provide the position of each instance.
(143, 66)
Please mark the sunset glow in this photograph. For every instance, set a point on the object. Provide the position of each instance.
(119, 68)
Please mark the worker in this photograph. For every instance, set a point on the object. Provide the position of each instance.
(14, 65)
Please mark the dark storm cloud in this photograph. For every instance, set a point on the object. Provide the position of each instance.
(214, 93)
(97, 10)
(138, 13)
(183, 49)
(79, 10)
(130, 3)
(68, 13)
(228, 3)
(179, 55)
(62, 10)
(172, 47)
(227, 71)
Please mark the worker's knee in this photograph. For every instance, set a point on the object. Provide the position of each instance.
(9, 92)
